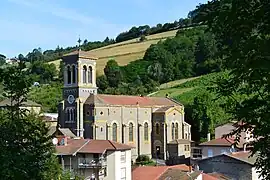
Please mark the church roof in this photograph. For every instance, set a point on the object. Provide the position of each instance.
(106, 99)
(81, 54)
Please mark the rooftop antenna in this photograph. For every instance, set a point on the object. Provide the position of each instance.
(79, 42)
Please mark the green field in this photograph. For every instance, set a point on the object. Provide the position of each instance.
(125, 52)
(185, 90)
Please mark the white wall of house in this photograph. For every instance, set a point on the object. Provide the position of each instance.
(200, 177)
(118, 165)
(214, 150)
(255, 174)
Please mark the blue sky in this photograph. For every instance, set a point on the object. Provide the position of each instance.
(28, 24)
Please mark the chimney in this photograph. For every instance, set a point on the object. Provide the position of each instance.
(245, 147)
(190, 168)
(208, 137)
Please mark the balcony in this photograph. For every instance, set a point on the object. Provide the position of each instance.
(91, 163)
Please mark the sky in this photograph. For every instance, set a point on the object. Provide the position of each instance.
(29, 24)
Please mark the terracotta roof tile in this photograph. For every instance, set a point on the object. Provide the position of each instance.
(154, 172)
(244, 156)
(89, 146)
(72, 146)
(219, 142)
(177, 174)
(131, 100)
(99, 146)
(208, 177)
(148, 172)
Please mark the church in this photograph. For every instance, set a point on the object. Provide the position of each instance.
(154, 126)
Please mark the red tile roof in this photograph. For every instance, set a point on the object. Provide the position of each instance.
(154, 172)
(219, 142)
(89, 146)
(135, 100)
(208, 177)
(148, 172)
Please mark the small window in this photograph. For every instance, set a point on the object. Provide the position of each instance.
(101, 129)
(210, 152)
(123, 173)
(174, 114)
(101, 113)
(123, 156)
(88, 113)
(130, 112)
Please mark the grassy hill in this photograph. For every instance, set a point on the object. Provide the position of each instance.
(185, 90)
(125, 52)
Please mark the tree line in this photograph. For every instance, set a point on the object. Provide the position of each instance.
(191, 53)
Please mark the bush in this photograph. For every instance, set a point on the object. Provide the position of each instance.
(143, 160)
(143, 38)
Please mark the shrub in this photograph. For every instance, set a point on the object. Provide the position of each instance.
(143, 160)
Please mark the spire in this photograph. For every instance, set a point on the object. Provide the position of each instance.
(79, 42)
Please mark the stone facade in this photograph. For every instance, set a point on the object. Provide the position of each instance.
(148, 124)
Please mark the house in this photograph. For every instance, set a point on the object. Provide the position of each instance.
(102, 159)
(28, 105)
(218, 146)
(12, 60)
(237, 165)
(50, 118)
(147, 123)
(175, 172)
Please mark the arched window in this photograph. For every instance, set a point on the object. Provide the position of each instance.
(114, 132)
(84, 74)
(173, 131)
(146, 131)
(130, 135)
(73, 74)
(70, 115)
(90, 74)
(68, 75)
(157, 128)
(73, 115)
(176, 130)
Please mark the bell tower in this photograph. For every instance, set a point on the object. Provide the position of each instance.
(79, 83)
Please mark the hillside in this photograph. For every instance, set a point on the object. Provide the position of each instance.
(125, 52)
(185, 90)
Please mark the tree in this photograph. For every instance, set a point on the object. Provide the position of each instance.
(205, 55)
(242, 26)
(26, 149)
(143, 38)
(113, 73)
(102, 83)
(45, 72)
(2, 59)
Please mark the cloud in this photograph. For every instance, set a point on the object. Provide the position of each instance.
(54, 9)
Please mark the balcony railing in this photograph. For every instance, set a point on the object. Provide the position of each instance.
(91, 163)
